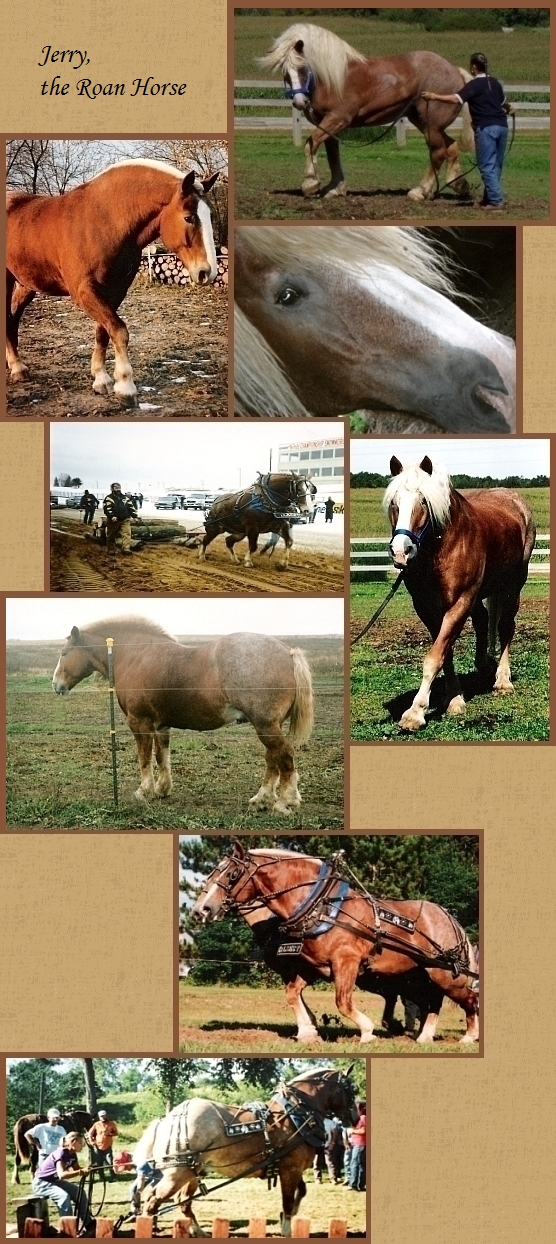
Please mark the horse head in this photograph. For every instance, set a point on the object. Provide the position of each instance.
(418, 505)
(78, 660)
(186, 228)
(226, 885)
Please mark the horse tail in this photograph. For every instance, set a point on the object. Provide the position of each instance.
(467, 137)
(301, 715)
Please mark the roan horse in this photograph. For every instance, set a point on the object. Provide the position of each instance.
(338, 88)
(342, 935)
(162, 684)
(87, 244)
(270, 504)
(333, 320)
(239, 1142)
(73, 1121)
(457, 551)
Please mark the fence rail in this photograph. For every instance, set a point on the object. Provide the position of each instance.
(380, 563)
(182, 1228)
(298, 123)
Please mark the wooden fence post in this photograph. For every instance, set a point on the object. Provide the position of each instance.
(301, 1228)
(257, 1228)
(33, 1228)
(401, 132)
(297, 119)
(144, 1227)
(337, 1229)
(220, 1229)
(104, 1228)
(68, 1226)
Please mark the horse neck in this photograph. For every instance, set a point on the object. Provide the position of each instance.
(283, 904)
(140, 202)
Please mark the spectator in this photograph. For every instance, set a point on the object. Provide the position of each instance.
(46, 1137)
(102, 1136)
(358, 1166)
(329, 510)
(88, 504)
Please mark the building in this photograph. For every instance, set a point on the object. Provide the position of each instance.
(322, 460)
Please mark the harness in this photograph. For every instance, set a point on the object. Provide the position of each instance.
(265, 498)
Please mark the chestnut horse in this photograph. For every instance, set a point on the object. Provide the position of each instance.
(201, 1137)
(268, 505)
(343, 934)
(162, 684)
(87, 245)
(331, 320)
(455, 552)
(338, 88)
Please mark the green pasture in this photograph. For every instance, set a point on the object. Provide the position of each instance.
(236, 1018)
(523, 56)
(367, 517)
(386, 671)
(59, 763)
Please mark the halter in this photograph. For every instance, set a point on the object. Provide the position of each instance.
(416, 538)
(306, 90)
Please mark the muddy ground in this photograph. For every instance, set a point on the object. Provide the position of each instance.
(178, 350)
(80, 565)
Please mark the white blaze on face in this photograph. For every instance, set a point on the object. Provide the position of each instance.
(437, 315)
(203, 211)
(58, 685)
(204, 911)
(299, 99)
(402, 546)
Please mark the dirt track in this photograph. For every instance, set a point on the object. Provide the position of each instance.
(178, 349)
(78, 565)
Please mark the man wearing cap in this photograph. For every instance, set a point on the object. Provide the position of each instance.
(46, 1137)
(119, 511)
(101, 1137)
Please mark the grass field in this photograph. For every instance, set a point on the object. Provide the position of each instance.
(59, 769)
(217, 1017)
(386, 671)
(367, 517)
(238, 1202)
(269, 169)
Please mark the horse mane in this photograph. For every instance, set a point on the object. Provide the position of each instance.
(354, 248)
(282, 851)
(325, 53)
(126, 628)
(262, 387)
(436, 490)
(160, 165)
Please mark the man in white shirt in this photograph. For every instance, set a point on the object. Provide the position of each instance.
(46, 1137)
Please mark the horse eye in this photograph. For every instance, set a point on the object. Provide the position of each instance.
(191, 220)
(288, 297)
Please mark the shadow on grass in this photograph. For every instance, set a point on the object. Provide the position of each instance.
(474, 684)
(377, 193)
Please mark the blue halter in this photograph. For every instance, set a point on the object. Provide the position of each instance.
(306, 90)
(417, 540)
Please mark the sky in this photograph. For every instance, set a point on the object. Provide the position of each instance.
(156, 457)
(53, 619)
(498, 458)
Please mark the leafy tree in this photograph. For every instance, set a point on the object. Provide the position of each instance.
(172, 1077)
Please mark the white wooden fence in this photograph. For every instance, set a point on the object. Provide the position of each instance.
(374, 558)
(299, 124)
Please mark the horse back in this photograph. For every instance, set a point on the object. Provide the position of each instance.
(504, 519)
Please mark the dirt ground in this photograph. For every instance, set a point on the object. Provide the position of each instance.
(80, 565)
(178, 350)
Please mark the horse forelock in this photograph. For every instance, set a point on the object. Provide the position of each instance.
(262, 387)
(354, 250)
(325, 53)
(435, 489)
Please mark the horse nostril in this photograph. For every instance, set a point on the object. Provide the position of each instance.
(203, 276)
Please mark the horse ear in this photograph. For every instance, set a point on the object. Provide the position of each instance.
(349, 1070)
(75, 634)
(299, 46)
(188, 183)
(239, 851)
(209, 183)
(426, 465)
(395, 466)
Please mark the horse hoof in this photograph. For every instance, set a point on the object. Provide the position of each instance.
(310, 186)
(140, 796)
(337, 192)
(416, 195)
(412, 720)
(505, 688)
(284, 808)
(456, 707)
(367, 1036)
(19, 373)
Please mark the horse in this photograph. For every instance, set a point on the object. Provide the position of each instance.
(162, 684)
(200, 1137)
(73, 1121)
(87, 244)
(338, 88)
(331, 320)
(342, 934)
(456, 551)
(270, 504)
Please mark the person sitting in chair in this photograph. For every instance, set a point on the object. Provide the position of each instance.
(54, 1175)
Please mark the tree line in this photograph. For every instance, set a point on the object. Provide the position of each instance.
(441, 868)
(428, 19)
(372, 479)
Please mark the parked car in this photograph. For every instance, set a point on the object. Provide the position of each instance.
(199, 500)
(171, 502)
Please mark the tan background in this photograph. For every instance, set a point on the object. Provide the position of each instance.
(174, 40)
(539, 328)
(87, 962)
(21, 507)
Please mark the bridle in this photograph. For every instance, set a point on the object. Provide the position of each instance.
(307, 90)
(417, 538)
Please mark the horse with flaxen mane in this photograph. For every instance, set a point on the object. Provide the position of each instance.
(457, 551)
(269, 505)
(73, 1121)
(162, 684)
(201, 1137)
(339, 88)
(342, 933)
(331, 320)
(87, 245)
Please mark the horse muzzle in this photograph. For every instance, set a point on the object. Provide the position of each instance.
(59, 686)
